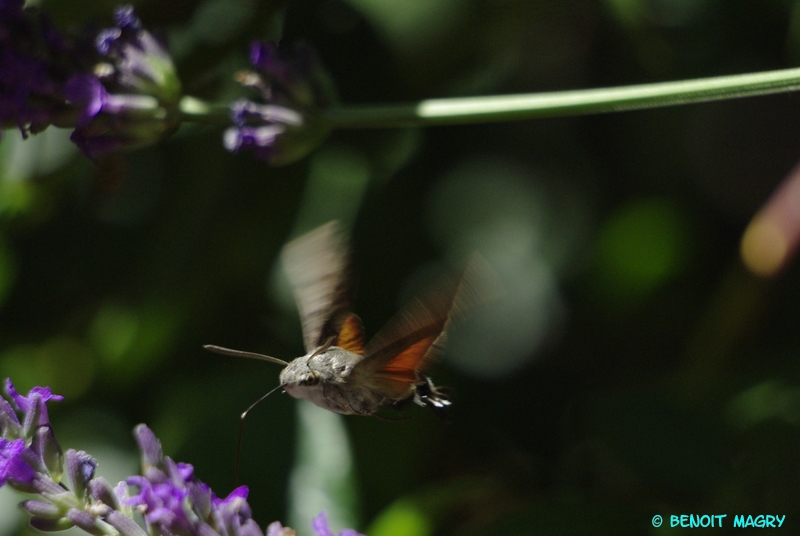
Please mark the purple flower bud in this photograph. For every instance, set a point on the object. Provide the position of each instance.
(125, 525)
(201, 498)
(84, 520)
(321, 527)
(50, 525)
(149, 446)
(80, 467)
(125, 17)
(9, 422)
(164, 501)
(205, 530)
(250, 528)
(30, 418)
(32, 457)
(42, 509)
(239, 493)
(233, 513)
(101, 491)
(264, 57)
(47, 448)
(49, 489)
(85, 91)
(276, 529)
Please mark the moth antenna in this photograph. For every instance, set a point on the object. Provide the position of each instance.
(324, 347)
(241, 429)
(321, 349)
(241, 353)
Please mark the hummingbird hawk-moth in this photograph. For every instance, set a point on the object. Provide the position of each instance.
(340, 372)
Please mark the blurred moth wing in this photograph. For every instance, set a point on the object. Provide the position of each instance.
(317, 265)
(398, 355)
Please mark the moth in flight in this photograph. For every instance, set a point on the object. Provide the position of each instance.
(339, 372)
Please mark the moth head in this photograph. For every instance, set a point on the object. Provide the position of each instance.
(300, 373)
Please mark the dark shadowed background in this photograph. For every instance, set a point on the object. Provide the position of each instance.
(633, 367)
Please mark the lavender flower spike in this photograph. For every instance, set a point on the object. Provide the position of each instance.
(293, 88)
(174, 502)
(170, 498)
(30, 456)
(131, 97)
(118, 89)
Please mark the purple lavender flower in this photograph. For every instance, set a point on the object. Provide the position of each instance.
(173, 501)
(35, 61)
(130, 99)
(34, 402)
(118, 89)
(13, 468)
(276, 529)
(30, 456)
(294, 88)
(321, 527)
(80, 467)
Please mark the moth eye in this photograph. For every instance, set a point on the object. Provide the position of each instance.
(311, 379)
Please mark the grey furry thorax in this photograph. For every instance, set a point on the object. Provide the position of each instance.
(329, 380)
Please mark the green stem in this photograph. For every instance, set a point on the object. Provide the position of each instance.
(531, 105)
(194, 110)
(563, 103)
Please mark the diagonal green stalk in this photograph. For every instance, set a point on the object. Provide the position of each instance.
(531, 105)
(563, 103)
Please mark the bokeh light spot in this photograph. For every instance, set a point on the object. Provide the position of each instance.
(337, 179)
(771, 399)
(410, 25)
(764, 247)
(217, 21)
(505, 212)
(130, 341)
(641, 246)
(62, 363)
(401, 519)
(113, 331)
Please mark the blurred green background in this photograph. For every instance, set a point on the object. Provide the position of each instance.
(633, 368)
